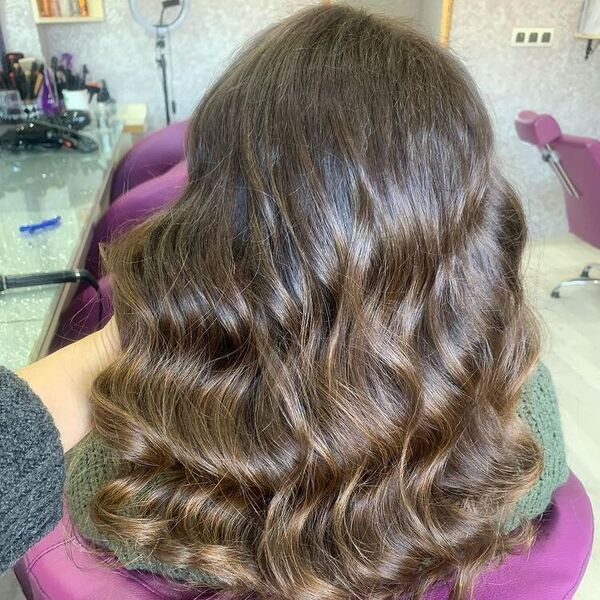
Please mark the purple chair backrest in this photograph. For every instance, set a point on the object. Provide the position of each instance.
(149, 158)
(59, 568)
(134, 206)
(82, 316)
(576, 162)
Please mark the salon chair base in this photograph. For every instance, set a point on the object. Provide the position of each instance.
(583, 279)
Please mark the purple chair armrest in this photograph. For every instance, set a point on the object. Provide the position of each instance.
(82, 316)
(133, 207)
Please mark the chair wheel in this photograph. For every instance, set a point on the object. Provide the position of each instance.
(555, 294)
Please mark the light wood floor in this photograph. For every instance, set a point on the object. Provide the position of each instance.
(572, 352)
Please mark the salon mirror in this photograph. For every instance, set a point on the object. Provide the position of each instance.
(432, 17)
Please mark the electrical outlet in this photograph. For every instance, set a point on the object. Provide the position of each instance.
(532, 36)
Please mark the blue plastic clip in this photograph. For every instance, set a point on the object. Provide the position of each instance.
(46, 224)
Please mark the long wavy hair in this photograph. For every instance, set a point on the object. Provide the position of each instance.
(325, 339)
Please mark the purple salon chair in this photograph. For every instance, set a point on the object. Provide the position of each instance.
(60, 568)
(149, 158)
(87, 312)
(134, 206)
(576, 162)
(83, 315)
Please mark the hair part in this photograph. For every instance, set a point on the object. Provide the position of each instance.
(325, 339)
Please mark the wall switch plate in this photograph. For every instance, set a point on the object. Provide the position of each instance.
(532, 36)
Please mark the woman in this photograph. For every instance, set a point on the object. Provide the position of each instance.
(327, 386)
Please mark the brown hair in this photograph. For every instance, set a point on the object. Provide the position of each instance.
(325, 338)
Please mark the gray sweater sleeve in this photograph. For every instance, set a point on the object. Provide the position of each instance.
(32, 470)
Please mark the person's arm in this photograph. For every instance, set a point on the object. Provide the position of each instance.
(63, 381)
(45, 403)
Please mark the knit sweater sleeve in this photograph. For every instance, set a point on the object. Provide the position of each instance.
(32, 472)
(539, 409)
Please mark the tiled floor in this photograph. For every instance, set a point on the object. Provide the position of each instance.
(572, 352)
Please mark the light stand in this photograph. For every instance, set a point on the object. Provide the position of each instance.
(161, 31)
(161, 61)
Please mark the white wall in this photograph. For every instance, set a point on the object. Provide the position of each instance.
(431, 16)
(18, 29)
(423, 14)
(556, 80)
(408, 9)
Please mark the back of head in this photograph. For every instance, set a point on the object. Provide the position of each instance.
(325, 338)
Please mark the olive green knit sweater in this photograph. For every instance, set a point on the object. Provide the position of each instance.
(91, 467)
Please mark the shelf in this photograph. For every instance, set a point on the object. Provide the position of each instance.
(50, 20)
(95, 14)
